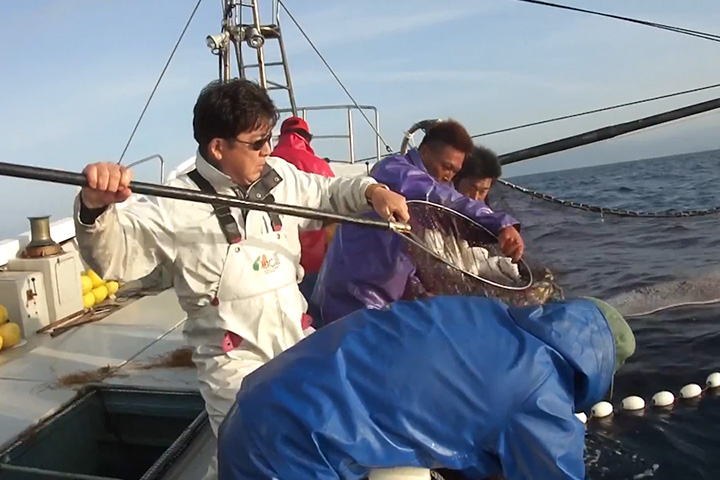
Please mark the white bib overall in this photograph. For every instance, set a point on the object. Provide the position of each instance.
(258, 304)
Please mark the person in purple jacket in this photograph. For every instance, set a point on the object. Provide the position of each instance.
(369, 268)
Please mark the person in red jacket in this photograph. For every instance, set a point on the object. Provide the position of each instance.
(294, 147)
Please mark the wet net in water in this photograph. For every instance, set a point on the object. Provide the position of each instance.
(663, 275)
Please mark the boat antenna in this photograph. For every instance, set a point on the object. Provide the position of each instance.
(662, 26)
(332, 72)
(157, 84)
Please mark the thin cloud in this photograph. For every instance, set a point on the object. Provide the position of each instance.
(446, 76)
(340, 26)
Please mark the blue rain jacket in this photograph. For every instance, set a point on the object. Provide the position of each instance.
(464, 383)
(369, 268)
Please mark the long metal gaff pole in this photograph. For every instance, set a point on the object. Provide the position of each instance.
(71, 178)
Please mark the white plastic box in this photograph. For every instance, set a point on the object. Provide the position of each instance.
(61, 274)
(23, 294)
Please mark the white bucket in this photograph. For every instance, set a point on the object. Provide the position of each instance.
(404, 473)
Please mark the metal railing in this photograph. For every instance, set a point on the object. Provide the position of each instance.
(350, 136)
(147, 159)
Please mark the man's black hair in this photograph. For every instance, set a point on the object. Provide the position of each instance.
(481, 163)
(451, 133)
(227, 109)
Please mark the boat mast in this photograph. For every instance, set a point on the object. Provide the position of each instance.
(252, 35)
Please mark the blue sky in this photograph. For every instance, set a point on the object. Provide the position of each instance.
(76, 74)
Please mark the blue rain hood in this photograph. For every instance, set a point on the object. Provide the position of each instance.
(457, 382)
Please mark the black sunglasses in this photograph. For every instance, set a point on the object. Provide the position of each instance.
(257, 144)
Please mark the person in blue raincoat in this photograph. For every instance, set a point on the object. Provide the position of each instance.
(369, 268)
(462, 383)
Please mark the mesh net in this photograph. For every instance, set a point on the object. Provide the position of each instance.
(638, 264)
(662, 274)
(454, 255)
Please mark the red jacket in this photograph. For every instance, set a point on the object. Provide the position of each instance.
(296, 150)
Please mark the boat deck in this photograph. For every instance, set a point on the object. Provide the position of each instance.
(133, 346)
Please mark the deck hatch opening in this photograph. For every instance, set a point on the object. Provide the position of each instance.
(110, 433)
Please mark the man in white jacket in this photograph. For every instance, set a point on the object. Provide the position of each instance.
(236, 272)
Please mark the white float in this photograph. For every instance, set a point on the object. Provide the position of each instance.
(602, 409)
(690, 390)
(633, 403)
(713, 380)
(582, 417)
(663, 399)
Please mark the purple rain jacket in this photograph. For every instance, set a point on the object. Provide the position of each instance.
(369, 268)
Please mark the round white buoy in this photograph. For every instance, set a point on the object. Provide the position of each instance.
(663, 399)
(713, 380)
(582, 417)
(601, 409)
(404, 473)
(690, 390)
(633, 403)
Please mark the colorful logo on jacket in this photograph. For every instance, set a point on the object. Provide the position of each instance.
(266, 264)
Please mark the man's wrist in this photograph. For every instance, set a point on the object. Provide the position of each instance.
(370, 190)
(87, 214)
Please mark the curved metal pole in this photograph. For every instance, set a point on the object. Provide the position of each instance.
(421, 125)
(147, 159)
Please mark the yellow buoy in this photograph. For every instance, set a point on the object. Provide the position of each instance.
(86, 283)
(10, 333)
(3, 314)
(100, 293)
(112, 287)
(88, 300)
(95, 278)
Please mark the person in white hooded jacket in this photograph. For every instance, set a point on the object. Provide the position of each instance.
(235, 272)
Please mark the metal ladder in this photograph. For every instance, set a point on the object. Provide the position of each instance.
(250, 39)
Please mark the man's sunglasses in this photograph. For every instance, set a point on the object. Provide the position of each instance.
(257, 144)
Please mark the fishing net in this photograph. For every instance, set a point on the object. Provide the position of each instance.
(661, 272)
(637, 262)
(455, 255)
(642, 235)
